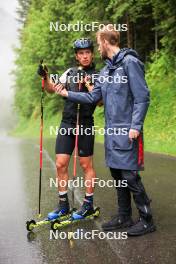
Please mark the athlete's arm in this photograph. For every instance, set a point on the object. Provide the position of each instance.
(79, 97)
(140, 92)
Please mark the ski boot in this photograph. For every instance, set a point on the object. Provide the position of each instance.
(85, 211)
(62, 210)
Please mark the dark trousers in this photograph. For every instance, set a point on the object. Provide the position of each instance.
(134, 187)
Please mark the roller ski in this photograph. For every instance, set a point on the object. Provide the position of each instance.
(86, 212)
(60, 213)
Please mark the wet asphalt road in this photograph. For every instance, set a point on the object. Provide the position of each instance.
(19, 160)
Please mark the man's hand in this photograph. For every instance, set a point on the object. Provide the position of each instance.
(59, 89)
(133, 134)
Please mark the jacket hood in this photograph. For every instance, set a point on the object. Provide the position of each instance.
(120, 55)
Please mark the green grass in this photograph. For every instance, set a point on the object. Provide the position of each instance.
(160, 123)
(31, 128)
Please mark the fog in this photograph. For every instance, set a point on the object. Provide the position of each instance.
(8, 40)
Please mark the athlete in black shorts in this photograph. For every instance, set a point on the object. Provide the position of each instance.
(65, 142)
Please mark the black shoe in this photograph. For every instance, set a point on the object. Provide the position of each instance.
(59, 212)
(118, 221)
(142, 227)
(86, 210)
(62, 209)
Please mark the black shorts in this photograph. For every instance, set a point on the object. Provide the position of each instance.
(65, 141)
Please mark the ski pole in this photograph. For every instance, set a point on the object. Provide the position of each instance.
(76, 148)
(41, 143)
(76, 141)
(75, 162)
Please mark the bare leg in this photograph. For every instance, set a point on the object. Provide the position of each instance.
(62, 162)
(87, 165)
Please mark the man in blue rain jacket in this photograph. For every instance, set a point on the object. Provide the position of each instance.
(122, 87)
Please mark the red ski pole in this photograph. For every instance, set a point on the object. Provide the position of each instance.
(75, 163)
(76, 148)
(76, 144)
(41, 145)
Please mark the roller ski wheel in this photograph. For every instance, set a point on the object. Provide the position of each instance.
(30, 225)
(54, 225)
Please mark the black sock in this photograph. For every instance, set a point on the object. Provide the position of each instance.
(88, 199)
(63, 200)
